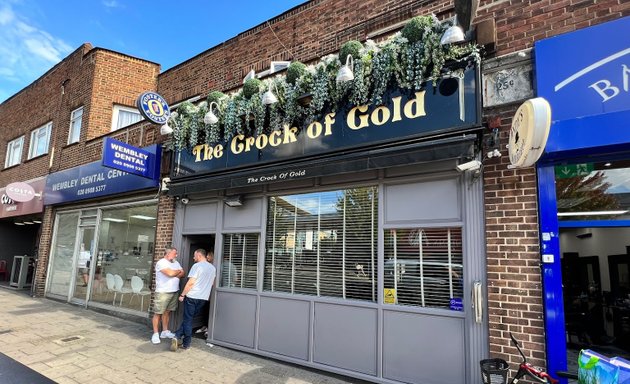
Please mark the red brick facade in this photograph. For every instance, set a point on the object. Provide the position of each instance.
(98, 79)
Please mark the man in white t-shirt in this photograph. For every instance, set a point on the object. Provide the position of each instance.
(195, 295)
(167, 274)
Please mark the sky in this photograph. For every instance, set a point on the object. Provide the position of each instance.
(37, 34)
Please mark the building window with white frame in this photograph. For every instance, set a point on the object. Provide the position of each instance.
(39, 141)
(124, 116)
(75, 125)
(14, 152)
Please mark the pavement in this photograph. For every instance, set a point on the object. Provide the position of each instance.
(43, 340)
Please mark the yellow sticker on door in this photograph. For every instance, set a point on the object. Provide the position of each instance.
(390, 296)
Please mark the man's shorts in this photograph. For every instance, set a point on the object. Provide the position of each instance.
(164, 301)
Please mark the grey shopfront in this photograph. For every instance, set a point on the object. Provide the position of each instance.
(367, 261)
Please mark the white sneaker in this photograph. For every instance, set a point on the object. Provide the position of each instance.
(155, 339)
(167, 334)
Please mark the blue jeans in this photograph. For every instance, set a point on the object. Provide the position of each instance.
(192, 307)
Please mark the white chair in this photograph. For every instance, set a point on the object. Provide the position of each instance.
(118, 288)
(109, 280)
(136, 287)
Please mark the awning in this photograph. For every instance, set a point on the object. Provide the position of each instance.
(406, 154)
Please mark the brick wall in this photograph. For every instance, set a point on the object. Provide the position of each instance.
(513, 252)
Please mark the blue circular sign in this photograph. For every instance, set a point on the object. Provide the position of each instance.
(153, 107)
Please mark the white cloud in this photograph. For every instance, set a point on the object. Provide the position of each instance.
(27, 51)
(111, 4)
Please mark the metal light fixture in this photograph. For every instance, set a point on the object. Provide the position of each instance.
(268, 97)
(454, 34)
(167, 129)
(345, 72)
(210, 117)
(233, 201)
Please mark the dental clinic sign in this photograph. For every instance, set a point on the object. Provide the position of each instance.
(586, 72)
(125, 157)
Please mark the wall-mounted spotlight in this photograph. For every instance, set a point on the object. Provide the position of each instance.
(268, 97)
(454, 34)
(345, 72)
(472, 165)
(167, 129)
(233, 201)
(210, 117)
(185, 200)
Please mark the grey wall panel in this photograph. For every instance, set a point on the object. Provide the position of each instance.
(284, 327)
(423, 349)
(249, 215)
(345, 337)
(430, 200)
(235, 320)
(200, 218)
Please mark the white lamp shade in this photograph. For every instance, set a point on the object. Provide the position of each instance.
(166, 129)
(210, 118)
(269, 98)
(454, 34)
(345, 72)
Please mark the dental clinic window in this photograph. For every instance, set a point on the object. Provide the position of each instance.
(39, 141)
(596, 191)
(423, 267)
(75, 125)
(323, 244)
(126, 240)
(14, 152)
(239, 265)
(124, 116)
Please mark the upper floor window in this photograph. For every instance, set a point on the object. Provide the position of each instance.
(39, 141)
(75, 125)
(14, 152)
(124, 116)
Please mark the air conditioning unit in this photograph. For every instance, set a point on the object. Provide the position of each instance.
(584, 233)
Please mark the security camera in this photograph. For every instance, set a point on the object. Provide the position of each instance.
(165, 182)
(472, 165)
(185, 200)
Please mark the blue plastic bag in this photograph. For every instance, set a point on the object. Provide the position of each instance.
(624, 369)
(594, 368)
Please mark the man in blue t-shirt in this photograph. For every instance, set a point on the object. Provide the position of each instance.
(195, 295)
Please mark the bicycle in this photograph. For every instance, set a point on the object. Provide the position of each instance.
(496, 371)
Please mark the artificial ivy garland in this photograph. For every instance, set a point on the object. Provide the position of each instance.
(409, 59)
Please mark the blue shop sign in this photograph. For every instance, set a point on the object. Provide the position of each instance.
(94, 180)
(585, 76)
(125, 157)
(585, 72)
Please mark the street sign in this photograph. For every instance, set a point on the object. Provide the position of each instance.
(573, 170)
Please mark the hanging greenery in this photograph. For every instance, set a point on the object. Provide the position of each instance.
(407, 59)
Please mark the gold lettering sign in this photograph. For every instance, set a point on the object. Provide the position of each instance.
(358, 118)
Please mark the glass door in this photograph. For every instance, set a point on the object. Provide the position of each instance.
(62, 252)
(84, 254)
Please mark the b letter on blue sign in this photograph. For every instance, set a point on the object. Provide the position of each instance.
(125, 157)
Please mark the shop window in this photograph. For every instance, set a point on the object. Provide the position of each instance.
(14, 152)
(239, 265)
(76, 118)
(39, 141)
(323, 244)
(423, 267)
(595, 191)
(125, 248)
(124, 116)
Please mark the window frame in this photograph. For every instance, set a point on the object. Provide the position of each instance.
(11, 148)
(35, 140)
(116, 112)
(241, 275)
(71, 130)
